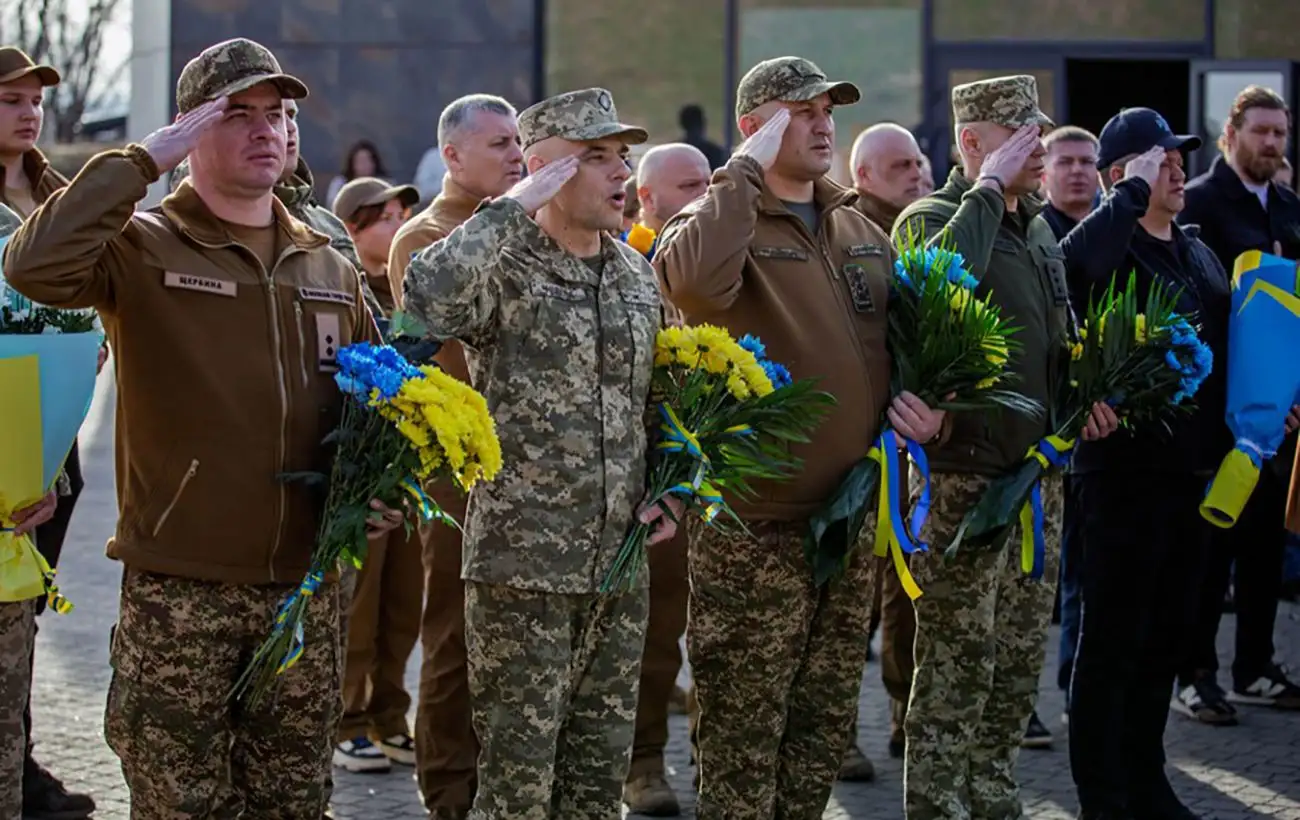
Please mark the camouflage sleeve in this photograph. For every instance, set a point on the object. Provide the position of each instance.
(970, 230)
(451, 285)
(701, 253)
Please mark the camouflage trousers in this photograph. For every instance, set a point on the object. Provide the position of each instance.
(17, 634)
(981, 628)
(553, 680)
(777, 665)
(186, 751)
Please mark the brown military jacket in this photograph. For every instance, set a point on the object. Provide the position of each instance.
(878, 211)
(40, 175)
(448, 210)
(738, 258)
(224, 369)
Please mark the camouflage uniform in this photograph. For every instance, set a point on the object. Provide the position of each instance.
(17, 634)
(981, 624)
(564, 355)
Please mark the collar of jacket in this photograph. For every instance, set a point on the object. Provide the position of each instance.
(454, 202)
(827, 196)
(878, 210)
(1231, 185)
(35, 167)
(297, 191)
(958, 185)
(191, 215)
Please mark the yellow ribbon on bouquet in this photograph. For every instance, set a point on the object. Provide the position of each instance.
(25, 574)
(887, 542)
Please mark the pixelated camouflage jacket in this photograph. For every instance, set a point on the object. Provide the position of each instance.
(298, 196)
(564, 357)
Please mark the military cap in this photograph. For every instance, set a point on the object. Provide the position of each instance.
(230, 67)
(789, 79)
(1008, 101)
(583, 115)
(15, 64)
(365, 191)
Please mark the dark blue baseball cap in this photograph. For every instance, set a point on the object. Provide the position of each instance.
(1136, 130)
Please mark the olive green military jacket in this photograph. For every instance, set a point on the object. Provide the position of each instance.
(564, 356)
(1019, 265)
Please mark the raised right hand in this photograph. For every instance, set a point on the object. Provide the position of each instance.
(1005, 162)
(1146, 166)
(535, 190)
(765, 143)
(173, 143)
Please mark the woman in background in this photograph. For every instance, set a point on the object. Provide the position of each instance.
(362, 161)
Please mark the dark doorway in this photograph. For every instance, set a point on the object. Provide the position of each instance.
(1098, 89)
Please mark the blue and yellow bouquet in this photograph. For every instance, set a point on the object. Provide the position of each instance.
(48, 367)
(401, 425)
(1146, 364)
(726, 416)
(949, 348)
(1263, 377)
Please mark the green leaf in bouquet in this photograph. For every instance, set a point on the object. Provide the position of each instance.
(310, 478)
(834, 530)
(988, 522)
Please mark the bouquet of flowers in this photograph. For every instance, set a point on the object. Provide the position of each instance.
(48, 367)
(949, 348)
(727, 415)
(1263, 380)
(1145, 364)
(401, 425)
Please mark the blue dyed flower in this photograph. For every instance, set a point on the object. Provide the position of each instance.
(776, 373)
(752, 343)
(364, 368)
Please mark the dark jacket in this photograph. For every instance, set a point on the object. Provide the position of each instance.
(1059, 221)
(1109, 241)
(1231, 219)
(1017, 261)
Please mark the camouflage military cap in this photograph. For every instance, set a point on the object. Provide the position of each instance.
(15, 64)
(789, 79)
(1007, 101)
(583, 115)
(230, 67)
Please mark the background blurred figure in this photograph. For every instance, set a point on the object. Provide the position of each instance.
(927, 176)
(1283, 175)
(631, 205)
(362, 161)
(669, 177)
(384, 618)
(429, 174)
(691, 119)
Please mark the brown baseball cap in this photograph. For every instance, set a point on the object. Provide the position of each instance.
(230, 67)
(364, 191)
(15, 64)
(789, 79)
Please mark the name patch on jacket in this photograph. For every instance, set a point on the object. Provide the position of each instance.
(770, 252)
(203, 284)
(859, 288)
(338, 297)
(854, 251)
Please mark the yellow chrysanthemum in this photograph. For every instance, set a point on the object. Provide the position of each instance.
(1140, 328)
(641, 238)
(1076, 352)
(995, 350)
(448, 423)
(985, 384)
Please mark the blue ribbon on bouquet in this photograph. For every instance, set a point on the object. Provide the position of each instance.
(1052, 451)
(307, 589)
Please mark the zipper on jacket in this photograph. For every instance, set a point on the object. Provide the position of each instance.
(277, 334)
(820, 241)
(176, 497)
(302, 340)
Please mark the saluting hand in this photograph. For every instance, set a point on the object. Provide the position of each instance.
(1005, 162)
(765, 143)
(535, 190)
(173, 143)
(1146, 166)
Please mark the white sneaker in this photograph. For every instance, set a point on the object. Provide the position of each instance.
(399, 749)
(362, 756)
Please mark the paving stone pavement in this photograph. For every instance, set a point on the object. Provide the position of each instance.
(1250, 771)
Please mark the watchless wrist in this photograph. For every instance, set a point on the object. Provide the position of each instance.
(1002, 188)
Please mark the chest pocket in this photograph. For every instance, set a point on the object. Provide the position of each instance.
(645, 314)
(1050, 260)
(322, 318)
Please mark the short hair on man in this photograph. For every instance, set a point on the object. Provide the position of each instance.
(459, 112)
(1255, 96)
(1069, 133)
(691, 117)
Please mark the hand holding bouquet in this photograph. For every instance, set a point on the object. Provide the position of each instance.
(726, 417)
(401, 425)
(1144, 366)
(950, 349)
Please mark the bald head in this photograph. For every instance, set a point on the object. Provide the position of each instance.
(887, 164)
(668, 177)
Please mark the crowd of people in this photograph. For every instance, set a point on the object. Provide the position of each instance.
(545, 267)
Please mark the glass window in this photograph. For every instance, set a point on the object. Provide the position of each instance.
(962, 20)
(877, 48)
(1220, 88)
(653, 57)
